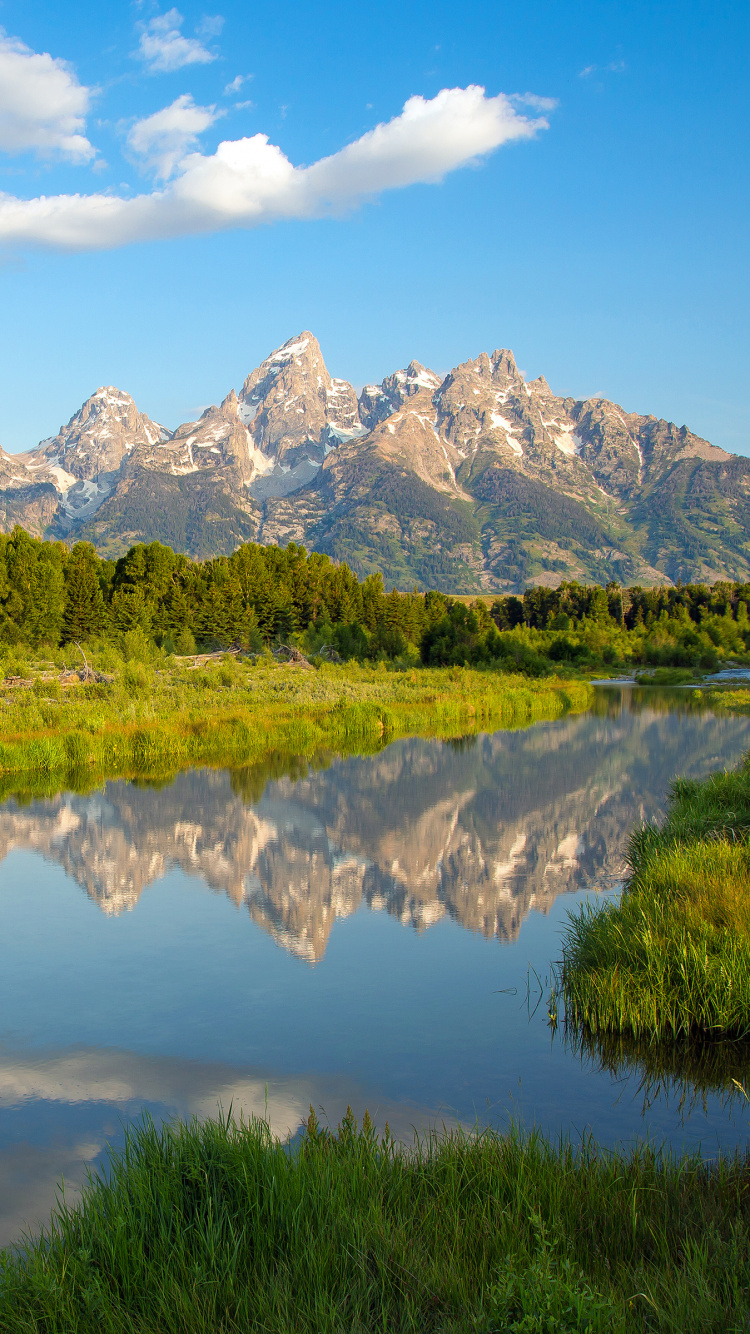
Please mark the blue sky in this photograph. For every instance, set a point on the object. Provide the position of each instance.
(598, 227)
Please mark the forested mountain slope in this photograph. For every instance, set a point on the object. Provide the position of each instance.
(476, 481)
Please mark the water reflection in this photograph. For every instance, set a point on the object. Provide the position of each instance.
(87, 1094)
(159, 987)
(479, 829)
(683, 1074)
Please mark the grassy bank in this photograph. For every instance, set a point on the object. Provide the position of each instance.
(170, 714)
(672, 959)
(729, 698)
(219, 1228)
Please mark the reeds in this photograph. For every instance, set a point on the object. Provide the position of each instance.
(218, 1227)
(672, 959)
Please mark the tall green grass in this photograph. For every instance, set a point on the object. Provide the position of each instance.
(231, 713)
(217, 1227)
(672, 958)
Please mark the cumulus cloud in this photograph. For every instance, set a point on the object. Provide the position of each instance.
(249, 181)
(42, 105)
(162, 140)
(163, 48)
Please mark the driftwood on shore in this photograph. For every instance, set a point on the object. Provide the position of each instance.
(291, 655)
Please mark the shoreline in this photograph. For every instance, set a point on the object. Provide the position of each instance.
(236, 713)
(218, 1226)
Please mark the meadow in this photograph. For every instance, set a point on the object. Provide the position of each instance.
(154, 713)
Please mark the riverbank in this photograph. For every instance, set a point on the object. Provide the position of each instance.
(223, 711)
(672, 958)
(219, 1228)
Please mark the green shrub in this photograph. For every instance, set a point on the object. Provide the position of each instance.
(136, 679)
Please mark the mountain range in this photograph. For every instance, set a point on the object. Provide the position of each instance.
(475, 481)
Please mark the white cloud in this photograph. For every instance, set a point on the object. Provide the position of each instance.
(162, 140)
(531, 100)
(249, 181)
(210, 25)
(42, 105)
(614, 67)
(164, 49)
(236, 84)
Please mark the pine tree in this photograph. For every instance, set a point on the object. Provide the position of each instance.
(85, 613)
(31, 589)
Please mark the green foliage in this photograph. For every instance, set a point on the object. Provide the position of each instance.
(672, 959)
(235, 712)
(217, 1226)
(32, 589)
(258, 597)
(84, 614)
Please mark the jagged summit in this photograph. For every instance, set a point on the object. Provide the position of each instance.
(378, 401)
(84, 458)
(476, 480)
(295, 413)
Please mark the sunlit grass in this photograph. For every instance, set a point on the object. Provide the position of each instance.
(672, 959)
(220, 1228)
(234, 713)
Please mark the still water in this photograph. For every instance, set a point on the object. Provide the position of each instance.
(375, 931)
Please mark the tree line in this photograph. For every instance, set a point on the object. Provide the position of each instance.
(262, 596)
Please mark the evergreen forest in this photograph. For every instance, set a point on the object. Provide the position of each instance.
(258, 598)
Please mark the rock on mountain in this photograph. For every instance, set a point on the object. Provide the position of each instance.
(378, 401)
(479, 480)
(85, 458)
(295, 414)
(23, 498)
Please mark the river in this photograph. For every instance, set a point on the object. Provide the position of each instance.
(375, 930)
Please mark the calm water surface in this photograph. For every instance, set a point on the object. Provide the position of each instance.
(376, 932)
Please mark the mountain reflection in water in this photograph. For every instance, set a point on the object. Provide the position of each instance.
(481, 829)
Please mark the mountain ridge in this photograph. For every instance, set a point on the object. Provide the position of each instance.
(479, 481)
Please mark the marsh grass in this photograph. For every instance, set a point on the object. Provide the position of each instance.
(218, 1227)
(156, 719)
(672, 958)
(728, 697)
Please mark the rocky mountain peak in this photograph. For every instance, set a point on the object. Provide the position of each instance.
(84, 458)
(98, 436)
(378, 401)
(414, 378)
(295, 413)
(504, 368)
(299, 358)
